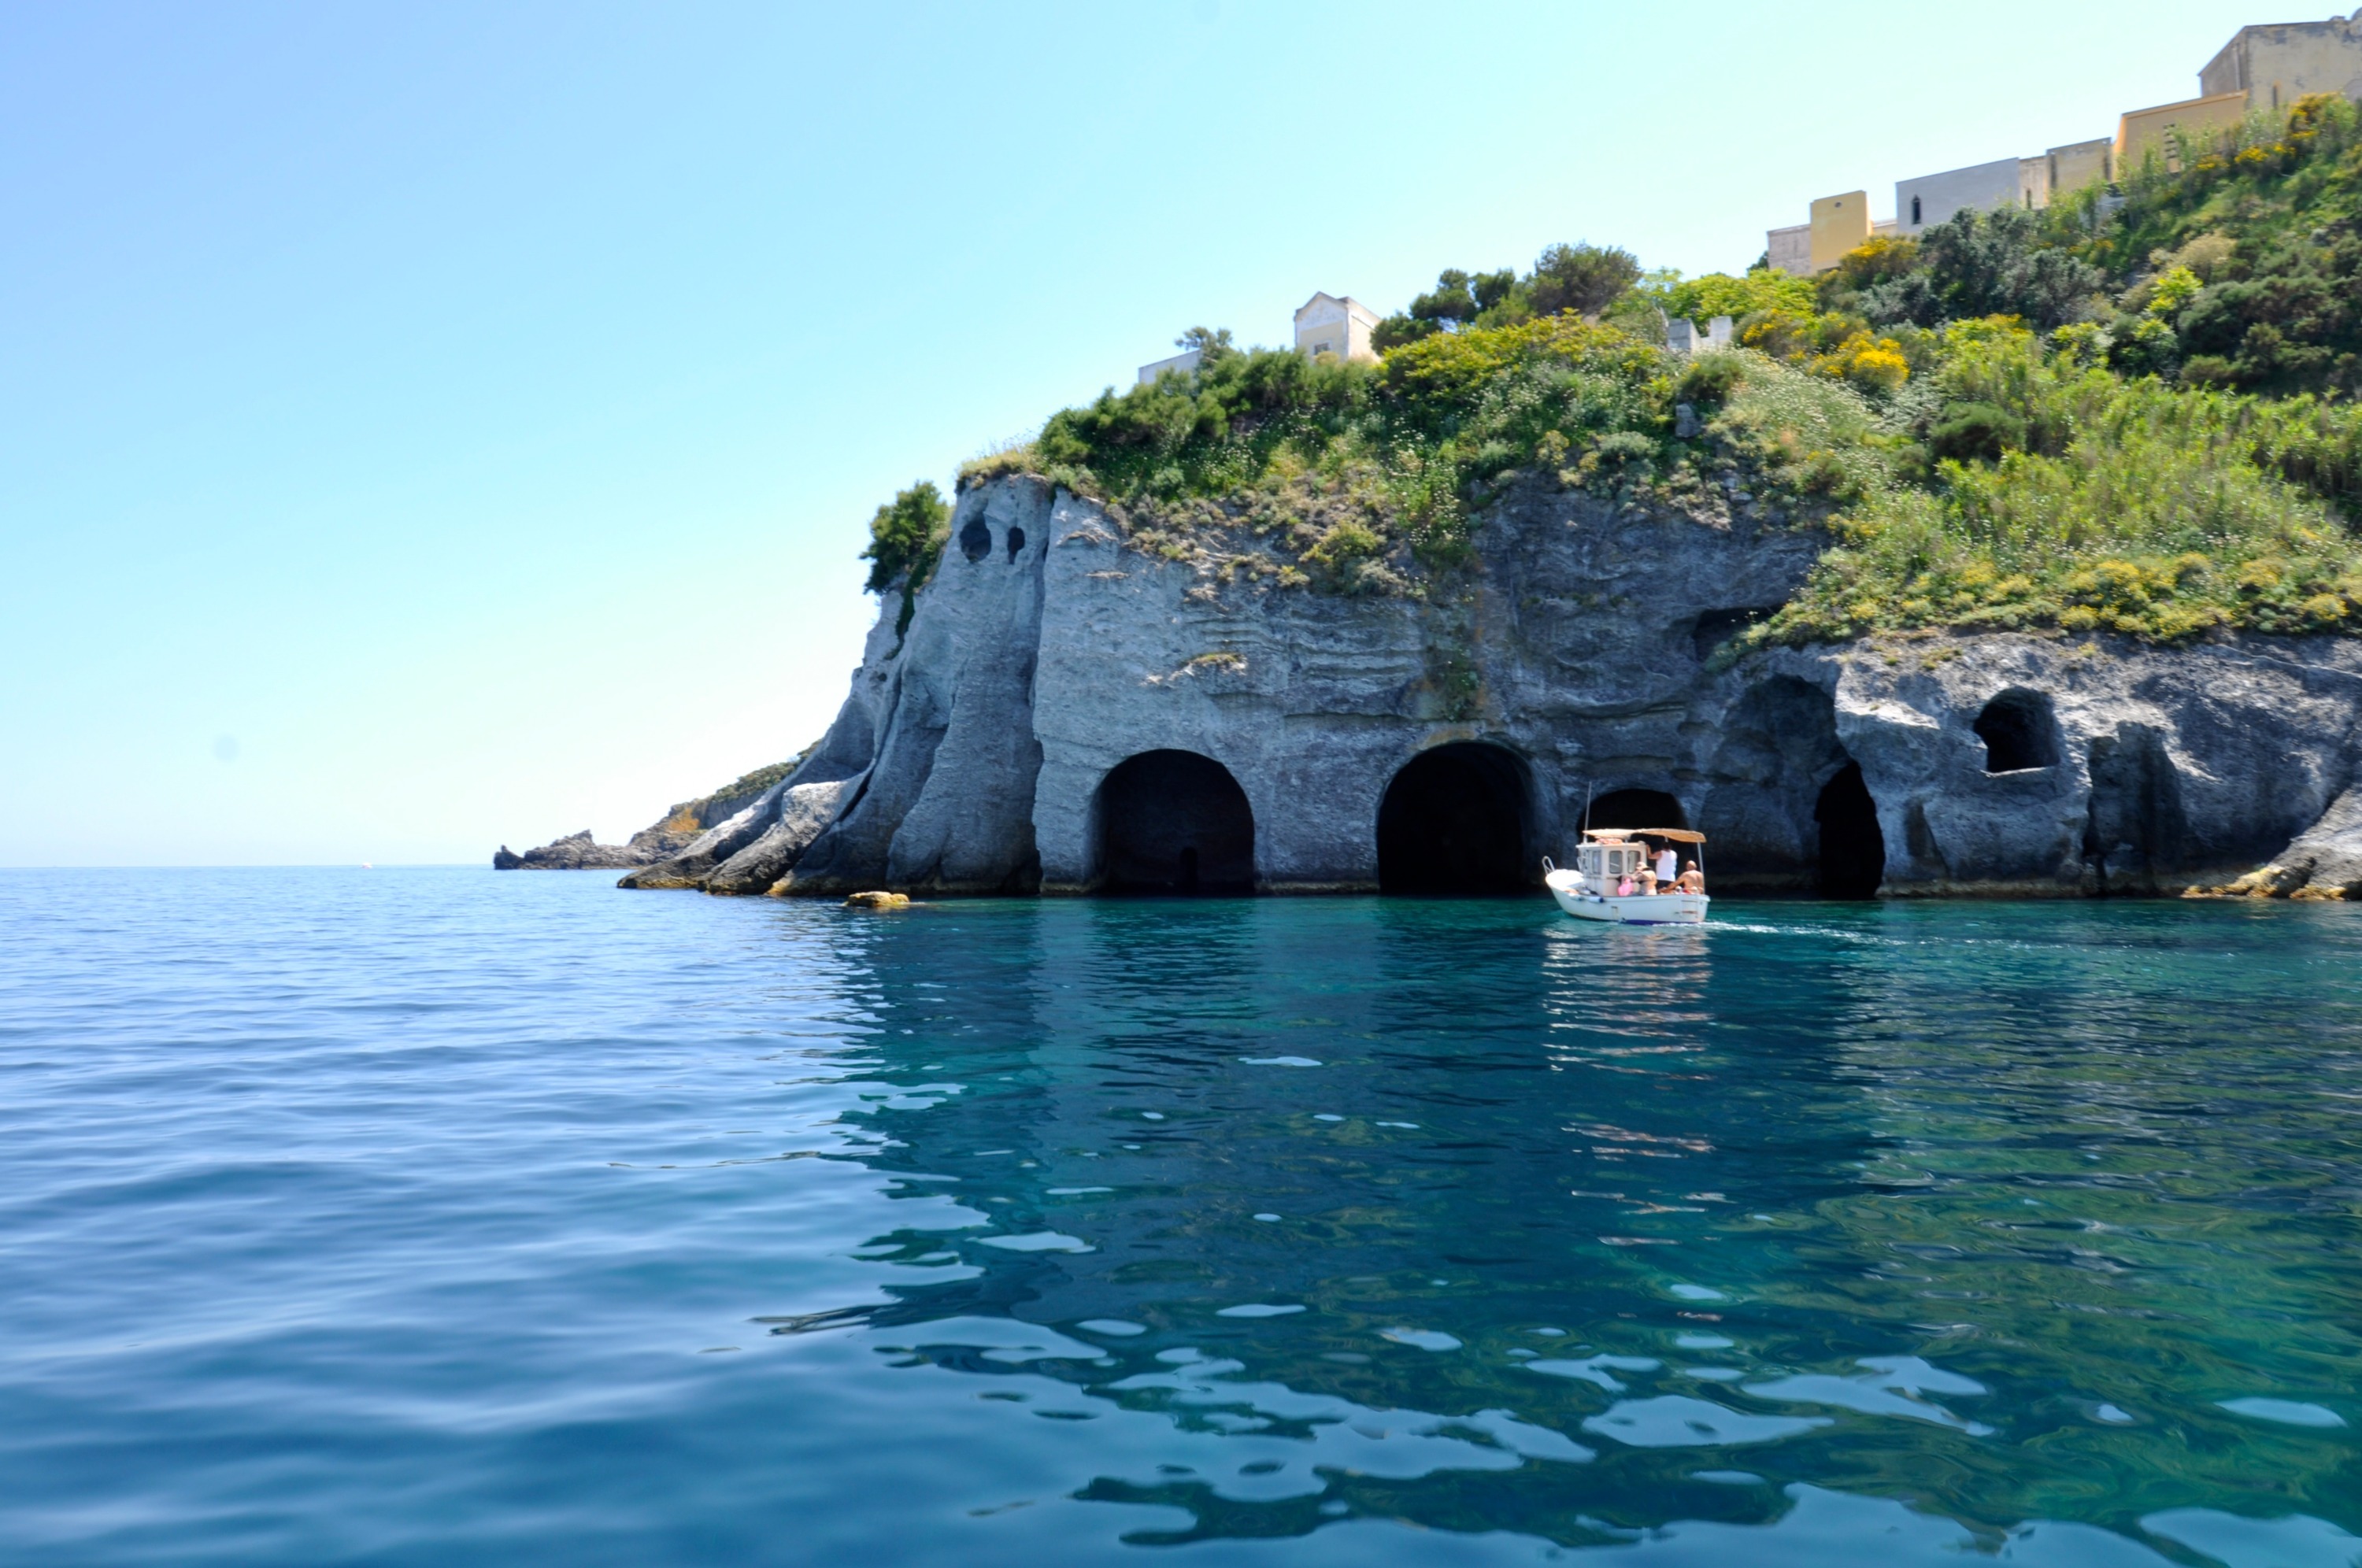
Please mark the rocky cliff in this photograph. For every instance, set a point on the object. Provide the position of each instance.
(1067, 713)
(667, 837)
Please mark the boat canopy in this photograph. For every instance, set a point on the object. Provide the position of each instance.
(1616, 835)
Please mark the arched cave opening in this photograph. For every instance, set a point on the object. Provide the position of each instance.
(1778, 747)
(1174, 822)
(1455, 822)
(2019, 730)
(1635, 809)
(1853, 849)
(976, 539)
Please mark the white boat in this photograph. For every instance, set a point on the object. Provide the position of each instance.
(1606, 859)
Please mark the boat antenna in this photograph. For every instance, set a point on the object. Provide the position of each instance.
(1584, 825)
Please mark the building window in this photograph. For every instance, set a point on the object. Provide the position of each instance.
(1915, 212)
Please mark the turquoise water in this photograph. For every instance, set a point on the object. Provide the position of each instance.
(442, 1217)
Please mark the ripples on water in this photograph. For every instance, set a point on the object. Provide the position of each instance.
(437, 1217)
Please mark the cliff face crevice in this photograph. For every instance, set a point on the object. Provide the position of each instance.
(1571, 666)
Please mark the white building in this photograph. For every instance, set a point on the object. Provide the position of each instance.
(2029, 183)
(1179, 365)
(1928, 199)
(1327, 325)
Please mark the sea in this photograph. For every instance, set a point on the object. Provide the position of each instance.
(450, 1217)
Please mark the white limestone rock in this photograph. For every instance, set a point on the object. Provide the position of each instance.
(1044, 652)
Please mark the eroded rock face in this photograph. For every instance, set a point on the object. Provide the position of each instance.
(1020, 736)
(947, 804)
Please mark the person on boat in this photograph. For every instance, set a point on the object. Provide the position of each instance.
(1668, 864)
(1647, 881)
(1624, 888)
(1692, 880)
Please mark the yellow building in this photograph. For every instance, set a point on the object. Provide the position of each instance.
(2278, 64)
(1839, 224)
(2194, 123)
(2079, 164)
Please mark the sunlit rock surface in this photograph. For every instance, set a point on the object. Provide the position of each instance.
(1022, 735)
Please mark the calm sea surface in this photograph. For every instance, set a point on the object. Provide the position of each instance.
(442, 1217)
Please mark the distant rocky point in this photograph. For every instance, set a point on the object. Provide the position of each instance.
(673, 833)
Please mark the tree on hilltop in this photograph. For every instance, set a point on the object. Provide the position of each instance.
(1584, 278)
(1211, 343)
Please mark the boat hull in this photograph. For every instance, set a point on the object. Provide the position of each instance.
(1641, 908)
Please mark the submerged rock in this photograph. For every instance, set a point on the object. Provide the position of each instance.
(1069, 713)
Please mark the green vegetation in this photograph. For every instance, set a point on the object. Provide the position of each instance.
(2134, 412)
(688, 818)
(1583, 279)
(2245, 270)
(906, 539)
(1361, 479)
(2065, 495)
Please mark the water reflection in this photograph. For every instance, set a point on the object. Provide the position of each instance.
(1457, 1215)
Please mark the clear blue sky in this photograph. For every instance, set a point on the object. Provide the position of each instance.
(426, 424)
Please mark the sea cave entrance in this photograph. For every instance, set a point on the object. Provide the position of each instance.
(1175, 823)
(1853, 849)
(1635, 809)
(1454, 820)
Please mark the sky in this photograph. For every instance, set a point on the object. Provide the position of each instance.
(429, 425)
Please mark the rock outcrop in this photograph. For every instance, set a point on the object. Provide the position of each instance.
(669, 836)
(576, 851)
(1069, 713)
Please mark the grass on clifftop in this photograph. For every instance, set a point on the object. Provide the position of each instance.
(2063, 495)
(1361, 479)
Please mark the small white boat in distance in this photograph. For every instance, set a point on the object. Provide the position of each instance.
(1608, 856)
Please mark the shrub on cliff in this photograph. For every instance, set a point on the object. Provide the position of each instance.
(1285, 453)
(906, 539)
(2066, 496)
(1703, 298)
(2243, 270)
(2269, 232)
(1582, 280)
(1986, 263)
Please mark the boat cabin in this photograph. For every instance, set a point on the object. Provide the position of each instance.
(1609, 856)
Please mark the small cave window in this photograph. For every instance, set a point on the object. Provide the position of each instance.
(1016, 542)
(1715, 627)
(976, 540)
(2019, 731)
